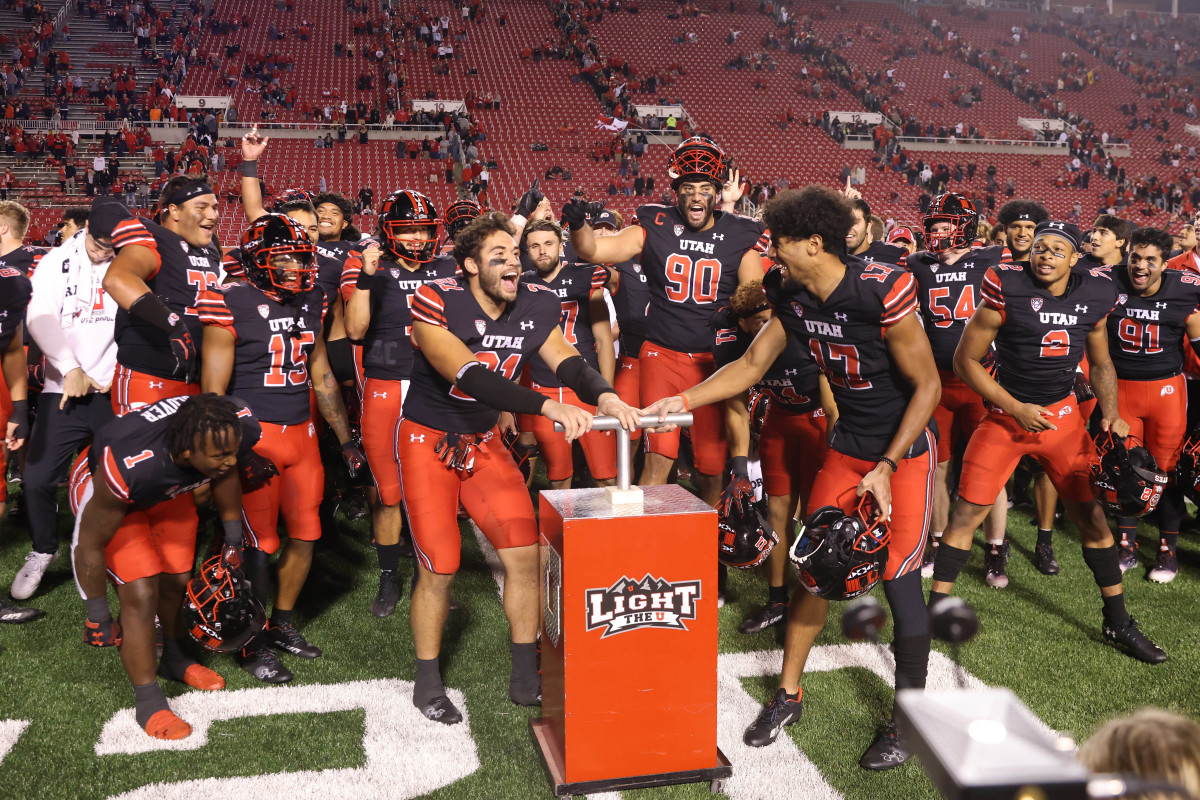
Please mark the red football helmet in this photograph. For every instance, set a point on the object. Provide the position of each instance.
(962, 215)
(698, 159)
(273, 235)
(405, 211)
(219, 607)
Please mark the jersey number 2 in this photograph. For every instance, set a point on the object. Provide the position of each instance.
(1056, 343)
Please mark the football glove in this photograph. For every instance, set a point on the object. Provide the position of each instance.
(352, 454)
(1083, 389)
(184, 351)
(102, 634)
(739, 490)
(20, 418)
(257, 470)
(530, 200)
(457, 452)
(575, 213)
(594, 209)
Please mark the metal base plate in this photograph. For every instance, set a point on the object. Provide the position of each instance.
(723, 770)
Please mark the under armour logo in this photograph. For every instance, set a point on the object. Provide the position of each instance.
(155, 384)
(304, 308)
(1080, 309)
(1058, 226)
(527, 325)
(840, 317)
(416, 437)
(431, 272)
(651, 353)
(379, 394)
(968, 264)
(790, 371)
(1160, 305)
(719, 236)
(566, 281)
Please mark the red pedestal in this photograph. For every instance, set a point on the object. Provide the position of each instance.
(629, 641)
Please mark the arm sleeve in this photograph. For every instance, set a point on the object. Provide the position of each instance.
(586, 382)
(502, 394)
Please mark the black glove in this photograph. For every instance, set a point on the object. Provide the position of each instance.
(575, 213)
(184, 350)
(256, 471)
(740, 490)
(1083, 389)
(530, 200)
(457, 451)
(20, 418)
(594, 209)
(352, 454)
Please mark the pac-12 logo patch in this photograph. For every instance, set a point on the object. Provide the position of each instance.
(1036, 302)
(649, 603)
(481, 326)
(264, 311)
(679, 230)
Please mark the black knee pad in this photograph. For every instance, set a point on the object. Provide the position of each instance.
(948, 562)
(1104, 564)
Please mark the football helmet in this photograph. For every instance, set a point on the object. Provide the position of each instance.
(698, 159)
(292, 197)
(409, 212)
(842, 556)
(272, 236)
(459, 215)
(744, 537)
(219, 608)
(960, 212)
(1187, 470)
(1126, 481)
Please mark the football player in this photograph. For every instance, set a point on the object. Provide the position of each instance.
(948, 276)
(378, 291)
(858, 321)
(128, 526)
(1041, 318)
(14, 253)
(860, 242)
(159, 274)
(1189, 259)
(1156, 309)
(792, 440)
(1110, 243)
(586, 327)
(263, 341)
(626, 285)
(472, 335)
(693, 258)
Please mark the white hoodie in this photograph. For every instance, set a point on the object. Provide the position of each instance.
(71, 317)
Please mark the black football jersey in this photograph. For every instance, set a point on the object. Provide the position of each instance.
(274, 341)
(948, 295)
(630, 301)
(885, 253)
(502, 345)
(573, 285)
(1146, 335)
(183, 274)
(1042, 339)
(845, 336)
(690, 274)
(387, 345)
(15, 291)
(791, 382)
(24, 259)
(130, 454)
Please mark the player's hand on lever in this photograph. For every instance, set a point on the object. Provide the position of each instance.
(879, 483)
(1115, 425)
(575, 421)
(1035, 418)
(668, 405)
(611, 405)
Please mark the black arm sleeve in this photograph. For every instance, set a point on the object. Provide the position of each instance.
(575, 373)
(493, 389)
(150, 308)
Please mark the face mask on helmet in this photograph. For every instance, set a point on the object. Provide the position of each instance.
(278, 256)
(459, 215)
(289, 197)
(219, 608)
(1125, 480)
(1187, 469)
(698, 159)
(962, 216)
(842, 556)
(409, 226)
(744, 537)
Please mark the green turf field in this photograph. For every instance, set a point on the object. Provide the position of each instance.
(1040, 637)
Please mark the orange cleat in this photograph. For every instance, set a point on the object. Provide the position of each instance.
(165, 725)
(200, 677)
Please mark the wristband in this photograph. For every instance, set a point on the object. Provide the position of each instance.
(741, 466)
(363, 281)
(889, 462)
(249, 169)
(683, 399)
(233, 531)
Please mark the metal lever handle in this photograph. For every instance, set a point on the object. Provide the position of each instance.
(624, 451)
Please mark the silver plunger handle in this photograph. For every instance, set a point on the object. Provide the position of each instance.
(624, 456)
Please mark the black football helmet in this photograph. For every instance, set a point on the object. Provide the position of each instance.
(960, 212)
(277, 235)
(219, 607)
(744, 537)
(409, 212)
(1187, 470)
(459, 215)
(842, 556)
(292, 197)
(698, 159)
(1126, 481)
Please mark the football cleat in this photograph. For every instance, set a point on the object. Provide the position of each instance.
(166, 725)
(440, 709)
(15, 614)
(388, 594)
(1165, 566)
(1131, 641)
(1044, 560)
(930, 552)
(995, 563)
(886, 751)
(201, 677)
(102, 634)
(266, 666)
(775, 716)
(284, 636)
(1127, 557)
(770, 614)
